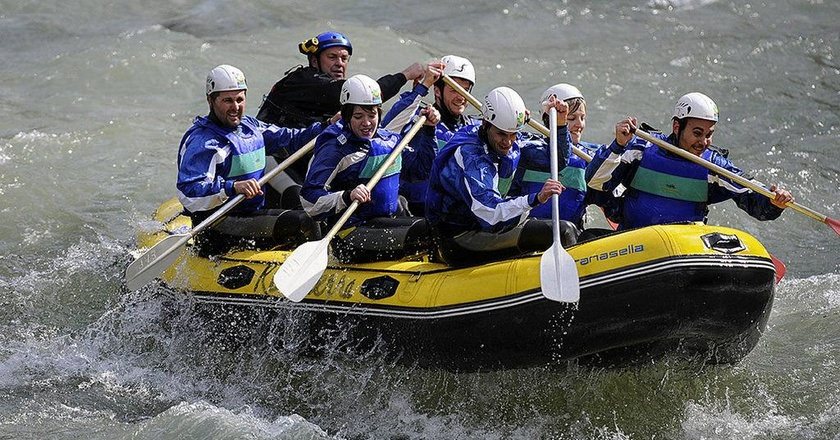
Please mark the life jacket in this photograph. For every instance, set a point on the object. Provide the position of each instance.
(298, 100)
(247, 155)
(443, 208)
(384, 196)
(535, 169)
(665, 189)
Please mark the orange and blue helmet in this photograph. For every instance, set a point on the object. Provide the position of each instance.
(325, 40)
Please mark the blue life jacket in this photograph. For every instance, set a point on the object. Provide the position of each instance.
(534, 170)
(666, 189)
(343, 161)
(245, 160)
(469, 183)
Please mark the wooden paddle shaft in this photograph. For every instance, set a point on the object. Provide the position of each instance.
(726, 173)
(377, 176)
(531, 121)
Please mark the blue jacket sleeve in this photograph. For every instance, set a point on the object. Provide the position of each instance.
(285, 141)
(493, 212)
(756, 205)
(404, 110)
(315, 196)
(201, 185)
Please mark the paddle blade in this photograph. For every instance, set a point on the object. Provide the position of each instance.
(154, 261)
(302, 270)
(781, 269)
(834, 224)
(558, 275)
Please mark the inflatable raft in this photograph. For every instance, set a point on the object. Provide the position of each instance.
(686, 289)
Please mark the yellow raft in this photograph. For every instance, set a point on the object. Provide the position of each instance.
(686, 289)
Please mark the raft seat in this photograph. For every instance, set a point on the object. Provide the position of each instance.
(384, 239)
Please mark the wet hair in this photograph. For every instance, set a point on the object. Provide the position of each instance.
(683, 122)
(347, 110)
(212, 98)
(574, 105)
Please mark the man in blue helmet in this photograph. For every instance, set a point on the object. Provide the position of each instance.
(311, 94)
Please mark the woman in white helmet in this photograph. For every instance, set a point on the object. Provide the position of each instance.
(467, 204)
(223, 154)
(347, 155)
(535, 164)
(665, 188)
(417, 161)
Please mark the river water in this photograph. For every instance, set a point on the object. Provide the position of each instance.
(95, 96)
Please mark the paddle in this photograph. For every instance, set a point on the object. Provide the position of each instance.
(531, 121)
(159, 257)
(833, 223)
(559, 279)
(304, 267)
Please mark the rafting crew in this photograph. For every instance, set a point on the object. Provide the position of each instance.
(223, 154)
(310, 93)
(472, 217)
(417, 159)
(347, 154)
(662, 187)
(535, 163)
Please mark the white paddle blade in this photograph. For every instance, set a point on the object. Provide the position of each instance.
(302, 270)
(558, 275)
(154, 261)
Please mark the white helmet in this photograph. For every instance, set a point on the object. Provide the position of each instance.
(224, 78)
(361, 90)
(459, 67)
(562, 91)
(503, 107)
(696, 105)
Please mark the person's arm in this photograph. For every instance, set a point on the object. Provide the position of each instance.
(616, 164)
(284, 141)
(404, 109)
(493, 212)
(391, 84)
(418, 156)
(564, 147)
(317, 200)
(199, 186)
(756, 205)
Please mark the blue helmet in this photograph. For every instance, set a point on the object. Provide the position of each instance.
(325, 40)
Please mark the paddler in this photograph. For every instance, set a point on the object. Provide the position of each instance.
(467, 204)
(662, 187)
(222, 155)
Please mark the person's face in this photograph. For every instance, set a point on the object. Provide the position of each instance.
(333, 61)
(229, 107)
(576, 122)
(697, 135)
(451, 99)
(500, 141)
(364, 121)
